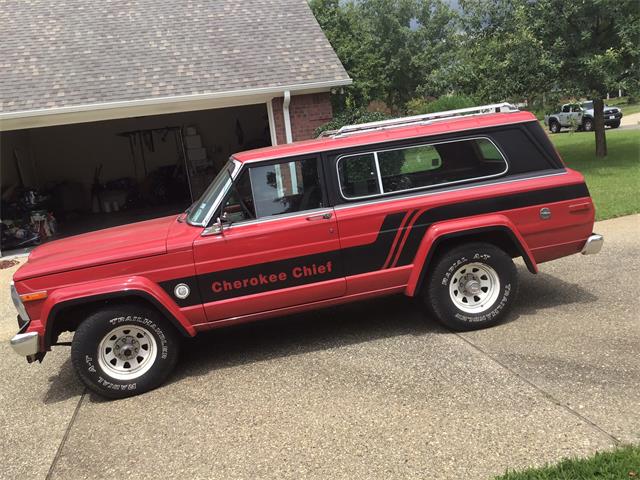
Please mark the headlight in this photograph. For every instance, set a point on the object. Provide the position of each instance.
(18, 303)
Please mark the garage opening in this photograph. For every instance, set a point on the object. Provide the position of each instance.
(66, 180)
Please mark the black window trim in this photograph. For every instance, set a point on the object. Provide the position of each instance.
(426, 187)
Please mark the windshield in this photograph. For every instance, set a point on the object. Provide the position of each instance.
(200, 211)
(587, 105)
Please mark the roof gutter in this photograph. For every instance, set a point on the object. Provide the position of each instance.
(173, 99)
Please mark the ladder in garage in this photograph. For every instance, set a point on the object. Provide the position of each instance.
(421, 119)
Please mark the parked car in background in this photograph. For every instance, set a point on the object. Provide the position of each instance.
(579, 116)
(569, 116)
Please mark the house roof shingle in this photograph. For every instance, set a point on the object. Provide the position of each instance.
(64, 53)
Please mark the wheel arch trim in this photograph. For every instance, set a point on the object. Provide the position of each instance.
(455, 229)
(131, 288)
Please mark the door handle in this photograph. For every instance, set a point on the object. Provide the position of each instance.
(319, 216)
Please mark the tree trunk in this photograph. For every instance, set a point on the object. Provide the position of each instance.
(598, 124)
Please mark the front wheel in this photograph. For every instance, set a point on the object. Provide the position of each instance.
(124, 350)
(471, 287)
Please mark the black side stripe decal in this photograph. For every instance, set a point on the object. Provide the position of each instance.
(359, 259)
(371, 257)
(484, 206)
(405, 231)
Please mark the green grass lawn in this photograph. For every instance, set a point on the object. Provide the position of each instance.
(614, 181)
(629, 109)
(621, 464)
(623, 102)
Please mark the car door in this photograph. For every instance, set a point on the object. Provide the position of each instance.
(564, 115)
(278, 246)
(576, 115)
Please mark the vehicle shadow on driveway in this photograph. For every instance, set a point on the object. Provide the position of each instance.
(64, 384)
(544, 291)
(350, 324)
(326, 329)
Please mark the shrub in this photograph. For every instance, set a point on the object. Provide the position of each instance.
(351, 117)
(419, 106)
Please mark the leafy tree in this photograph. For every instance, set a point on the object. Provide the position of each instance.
(350, 117)
(491, 50)
(596, 45)
(418, 106)
(389, 47)
(499, 57)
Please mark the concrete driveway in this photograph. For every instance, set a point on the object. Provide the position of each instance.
(630, 121)
(363, 391)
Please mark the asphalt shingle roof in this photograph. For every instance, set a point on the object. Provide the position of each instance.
(59, 53)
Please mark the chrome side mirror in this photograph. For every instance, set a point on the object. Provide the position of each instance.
(218, 226)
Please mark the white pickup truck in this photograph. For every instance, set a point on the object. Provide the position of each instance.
(580, 116)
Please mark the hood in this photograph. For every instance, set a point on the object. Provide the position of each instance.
(606, 110)
(116, 244)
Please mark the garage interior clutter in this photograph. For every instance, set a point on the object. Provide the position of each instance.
(64, 180)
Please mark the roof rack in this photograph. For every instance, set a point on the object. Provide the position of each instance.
(421, 119)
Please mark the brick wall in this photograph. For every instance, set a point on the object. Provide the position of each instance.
(307, 112)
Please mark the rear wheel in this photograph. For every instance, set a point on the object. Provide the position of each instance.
(615, 124)
(554, 126)
(124, 350)
(473, 286)
(587, 124)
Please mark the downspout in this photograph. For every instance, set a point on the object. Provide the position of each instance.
(287, 118)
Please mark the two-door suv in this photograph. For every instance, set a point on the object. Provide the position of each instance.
(434, 206)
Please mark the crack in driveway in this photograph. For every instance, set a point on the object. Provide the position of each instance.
(545, 393)
(72, 420)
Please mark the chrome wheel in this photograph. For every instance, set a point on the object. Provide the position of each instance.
(127, 352)
(474, 287)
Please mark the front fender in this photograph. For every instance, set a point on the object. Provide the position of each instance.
(112, 288)
(460, 227)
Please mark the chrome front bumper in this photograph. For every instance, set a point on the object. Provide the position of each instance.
(25, 344)
(593, 244)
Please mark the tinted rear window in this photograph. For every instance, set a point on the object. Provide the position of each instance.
(419, 166)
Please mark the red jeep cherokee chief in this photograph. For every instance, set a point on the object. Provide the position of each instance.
(435, 206)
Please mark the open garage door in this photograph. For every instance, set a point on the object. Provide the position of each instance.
(70, 179)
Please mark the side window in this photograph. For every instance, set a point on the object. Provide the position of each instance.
(430, 165)
(401, 169)
(286, 187)
(358, 175)
(566, 108)
(576, 108)
(419, 166)
(267, 190)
